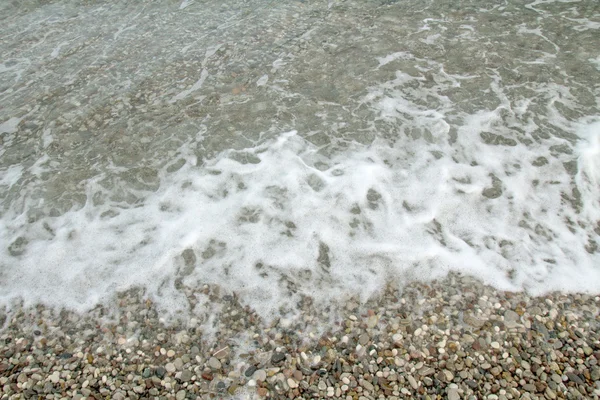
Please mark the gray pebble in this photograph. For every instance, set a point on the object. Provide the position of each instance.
(186, 375)
(214, 363)
(160, 372)
(250, 370)
(277, 357)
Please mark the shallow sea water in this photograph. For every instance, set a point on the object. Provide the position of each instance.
(282, 149)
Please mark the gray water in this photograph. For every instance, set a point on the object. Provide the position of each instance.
(145, 142)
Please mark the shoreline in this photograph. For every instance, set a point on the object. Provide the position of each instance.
(454, 338)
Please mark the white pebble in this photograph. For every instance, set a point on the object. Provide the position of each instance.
(55, 377)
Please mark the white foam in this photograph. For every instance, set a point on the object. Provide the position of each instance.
(588, 172)
(10, 176)
(585, 24)
(197, 85)
(262, 80)
(402, 55)
(383, 212)
(10, 126)
(185, 4)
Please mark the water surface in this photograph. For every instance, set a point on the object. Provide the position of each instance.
(287, 148)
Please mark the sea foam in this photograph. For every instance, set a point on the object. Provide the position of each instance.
(281, 220)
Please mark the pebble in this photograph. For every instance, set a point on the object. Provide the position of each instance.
(413, 383)
(260, 375)
(250, 370)
(55, 377)
(186, 376)
(364, 339)
(277, 358)
(160, 372)
(575, 378)
(448, 375)
(170, 367)
(292, 383)
(453, 394)
(367, 385)
(214, 363)
(178, 363)
(511, 318)
(388, 362)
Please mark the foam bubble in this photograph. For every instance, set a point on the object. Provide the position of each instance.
(277, 219)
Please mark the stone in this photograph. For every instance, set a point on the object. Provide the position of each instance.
(223, 353)
(363, 339)
(471, 383)
(372, 321)
(55, 377)
(511, 319)
(413, 383)
(178, 363)
(160, 372)
(277, 358)
(475, 322)
(550, 394)
(367, 385)
(448, 375)
(260, 375)
(530, 387)
(214, 363)
(575, 378)
(453, 394)
(250, 370)
(170, 367)
(186, 376)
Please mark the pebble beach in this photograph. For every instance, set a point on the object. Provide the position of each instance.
(252, 199)
(455, 339)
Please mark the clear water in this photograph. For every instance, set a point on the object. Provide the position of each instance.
(287, 148)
